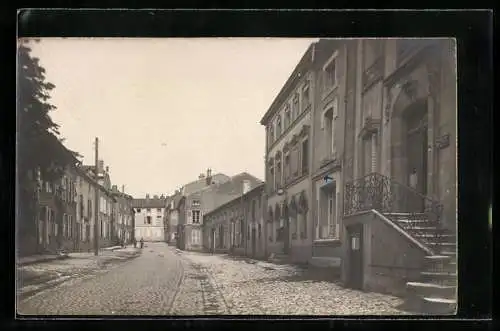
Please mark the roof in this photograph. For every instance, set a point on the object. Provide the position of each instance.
(290, 82)
(148, 203)
(201, 183)
(230, 201)
(219, 194)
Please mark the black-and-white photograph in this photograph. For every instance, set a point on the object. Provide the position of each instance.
(236, 176)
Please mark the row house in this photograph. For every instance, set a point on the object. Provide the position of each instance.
(195, 199)
(124, 216)
(149, 213)
(238, 226)
(290, 147)
(172, 218)
(57, 206)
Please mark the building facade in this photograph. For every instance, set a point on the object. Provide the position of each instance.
(149, 214)
(124, 216)
(399, 166)
(290, 147)
(238, 226)
(172, 218)
(327, 156)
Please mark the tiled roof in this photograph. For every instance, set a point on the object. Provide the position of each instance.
(230, 200)
(148, 203)
(217, 195)
(200, 184)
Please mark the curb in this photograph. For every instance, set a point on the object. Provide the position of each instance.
(61, 257)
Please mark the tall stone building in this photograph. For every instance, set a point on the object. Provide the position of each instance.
(149, 213)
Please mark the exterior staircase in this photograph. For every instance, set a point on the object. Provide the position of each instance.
(436, 290)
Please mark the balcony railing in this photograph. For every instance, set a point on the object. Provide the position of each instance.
(381, 193)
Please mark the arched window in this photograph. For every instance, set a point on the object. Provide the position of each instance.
(278, 126)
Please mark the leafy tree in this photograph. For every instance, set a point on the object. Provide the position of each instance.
(39, 147)
(38, 144)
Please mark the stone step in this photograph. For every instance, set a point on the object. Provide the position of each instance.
(439, 306)
(431, 290)
(439, 277)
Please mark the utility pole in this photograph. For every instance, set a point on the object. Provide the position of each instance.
(96, 217)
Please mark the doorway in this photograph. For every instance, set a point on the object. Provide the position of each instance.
(356, 270)
(416, 147)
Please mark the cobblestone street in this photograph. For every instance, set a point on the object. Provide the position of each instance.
(164, 281)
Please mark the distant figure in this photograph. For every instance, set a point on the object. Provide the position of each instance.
(142, 243)
(134, 241)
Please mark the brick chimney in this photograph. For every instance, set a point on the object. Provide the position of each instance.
(209, 177)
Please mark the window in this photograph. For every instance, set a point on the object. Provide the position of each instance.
(158, 210)
(295, 161)
(278, 173)
(329, 128)
(254, 204)
(278, 127)
(295, 106)
(271, 134)
(148, 210)
(286, 167)
(288, 117)
(64, 229)
(195, 203)
(328, 225)
(305, 156)
(158, 216)
(305, 97)
(195, 237)
(259, 230)
(248, 233)
(195, 216)
(330, 72)
(138, 210)
(148, 219)
(271, 178)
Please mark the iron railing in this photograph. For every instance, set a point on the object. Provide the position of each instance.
(405, 206)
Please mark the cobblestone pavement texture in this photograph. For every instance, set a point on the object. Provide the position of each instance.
(261, 288)
(164, 281)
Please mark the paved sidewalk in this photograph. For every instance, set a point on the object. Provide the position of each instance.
(35, 277)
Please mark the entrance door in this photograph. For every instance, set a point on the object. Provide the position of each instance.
(416, 146)
(254, 242)
(355, 235)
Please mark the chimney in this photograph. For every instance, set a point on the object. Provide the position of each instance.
(114, 188)
(101, 167)
(201, 176)
(162, 197)
(209, 177)
(147, 196)
(155, 196)
(107, 169)
(123, 188)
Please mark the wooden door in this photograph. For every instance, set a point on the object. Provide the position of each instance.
(356, 270)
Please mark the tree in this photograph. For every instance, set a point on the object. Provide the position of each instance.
(38, 142)
(38, 146)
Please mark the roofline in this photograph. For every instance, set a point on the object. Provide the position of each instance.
(260, 186)
(289, 82)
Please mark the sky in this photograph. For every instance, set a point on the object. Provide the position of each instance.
(165, 110)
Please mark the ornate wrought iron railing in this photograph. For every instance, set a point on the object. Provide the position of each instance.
(406, 207)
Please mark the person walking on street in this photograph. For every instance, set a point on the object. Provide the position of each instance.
(134, 241)
(142, 242)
